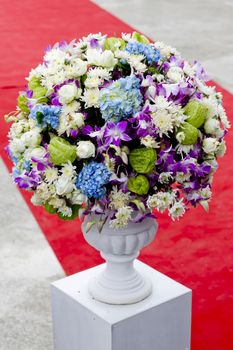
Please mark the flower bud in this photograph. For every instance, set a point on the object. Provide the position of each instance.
(67, 93)
(85, 149)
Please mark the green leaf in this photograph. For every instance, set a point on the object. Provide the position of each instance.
(75, 211)
(140, 38)
(143, 159)
(61, 151)
(196, 113)
(39, 118)
(49, 208)
(139, 185)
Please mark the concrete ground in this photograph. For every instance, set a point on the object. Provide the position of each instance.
(200, 30)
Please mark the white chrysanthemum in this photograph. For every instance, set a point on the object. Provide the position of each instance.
(188, 69)
(210, 145)
(161, 102)
(93, 82)
(223, 117)
(99, 72)
(160, 201)
(70, 122)
(56, 55)
(165, 177)
(177, 210)
(91, 97)
(175, 74)
(65, 211)
(221, 150)
(165, 50)
(205, 89)
(123, 216)
(68, 170)
(17, 146)
(45, 191)
(104, 59)
(182, 177)
(118, 199)
(149, 142)
(162, 119)
(72, 107)
(212, 126)
(205, 193)
(57, 202)
(51, 175)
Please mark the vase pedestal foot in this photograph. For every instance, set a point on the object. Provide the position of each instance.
(120, 283)
(162, 321)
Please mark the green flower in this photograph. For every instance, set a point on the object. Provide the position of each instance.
(39, 91)
(196, 113)
(22, 103)
(139, 184)
(143, 159)
(190, 134)
(114, 44)
(140, 38)
(61, 151)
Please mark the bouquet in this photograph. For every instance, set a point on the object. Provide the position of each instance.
(117, 127)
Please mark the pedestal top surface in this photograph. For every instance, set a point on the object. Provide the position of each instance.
(164, 289)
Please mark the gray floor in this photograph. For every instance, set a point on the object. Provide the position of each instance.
(27, 266)
(199, 29)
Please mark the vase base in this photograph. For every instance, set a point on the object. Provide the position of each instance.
(124, 292)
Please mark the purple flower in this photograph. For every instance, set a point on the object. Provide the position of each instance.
(28, 179)
(42, 163)
(115, 133)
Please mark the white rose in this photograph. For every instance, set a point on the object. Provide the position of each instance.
(85, 149)
(80, 67)
(175, 74)
(64, 185)
(212, 126)
(31, 138)
(37, 152)
(78, 119)
(67, 93)
(17, 146)
(78, 198)
(210, 145)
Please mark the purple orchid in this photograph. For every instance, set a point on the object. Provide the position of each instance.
(42, 163)
(114, 133)
(28, 179)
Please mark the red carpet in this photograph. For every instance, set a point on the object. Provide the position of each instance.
(198, 250)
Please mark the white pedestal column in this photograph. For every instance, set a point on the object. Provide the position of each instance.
(160, 322)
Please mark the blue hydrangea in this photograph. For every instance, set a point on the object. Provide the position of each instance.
(92, 178)
(150, 52)
(121, 99)
(50, 115)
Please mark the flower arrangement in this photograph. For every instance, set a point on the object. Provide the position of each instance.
(119, 127)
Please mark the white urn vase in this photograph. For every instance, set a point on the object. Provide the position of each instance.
(119, 282)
